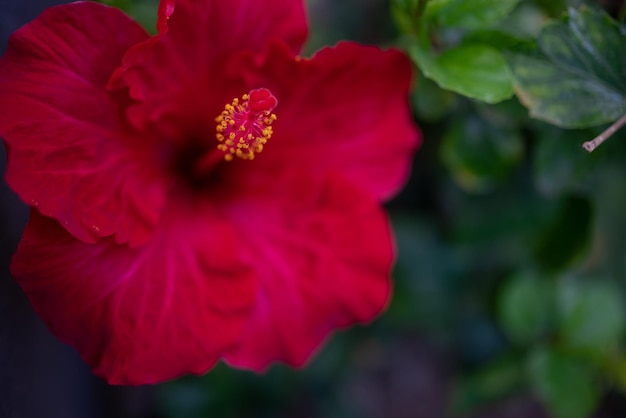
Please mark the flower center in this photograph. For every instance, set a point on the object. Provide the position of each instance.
(245, 125)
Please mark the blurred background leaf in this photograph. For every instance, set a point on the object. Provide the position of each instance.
(526, 308)
(566, 236)
(143, 11)
(469, 14)
(565, 383)
(491, 383)
(479, 154)
(591, 316)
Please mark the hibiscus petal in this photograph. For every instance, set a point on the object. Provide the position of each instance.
(144, 315)
(69, 154)
(236, 25)
(180, 77)
(323, 252)
(166, 8)
(344, 110)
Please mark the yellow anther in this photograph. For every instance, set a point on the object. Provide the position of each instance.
(243, 127)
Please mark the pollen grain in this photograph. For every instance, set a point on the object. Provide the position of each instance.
(245, 125)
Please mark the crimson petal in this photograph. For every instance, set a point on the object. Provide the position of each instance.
(179, 78)
(237, 24)
(166, 8)
(323, 253)
(345, 110)
(69, 153)
(140, 315)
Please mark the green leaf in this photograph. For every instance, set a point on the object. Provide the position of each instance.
(590, 44)
(526, 308)
(478, 154)
(560, 166)
(489, 384)
(431, 102)
(564, 383)
(473, 70)
(615, 370)
(501, 40)
(120, 4)
(424, 286)
(404, 13)
(469, 14)
(567, 236)
(579, 77)
(502, 224)
(592, 315)
(553, 8)
(143, 12)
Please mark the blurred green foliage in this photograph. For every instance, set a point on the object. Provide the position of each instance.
(511, 238)
(564, 382)
(143, 11)
(560, 301)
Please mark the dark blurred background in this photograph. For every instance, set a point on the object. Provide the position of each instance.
(503, 218)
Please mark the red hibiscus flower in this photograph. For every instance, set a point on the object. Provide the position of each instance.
(203, 194)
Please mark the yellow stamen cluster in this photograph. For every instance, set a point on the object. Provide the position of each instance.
(243, 133)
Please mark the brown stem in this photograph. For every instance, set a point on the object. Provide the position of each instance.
(595, 142)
